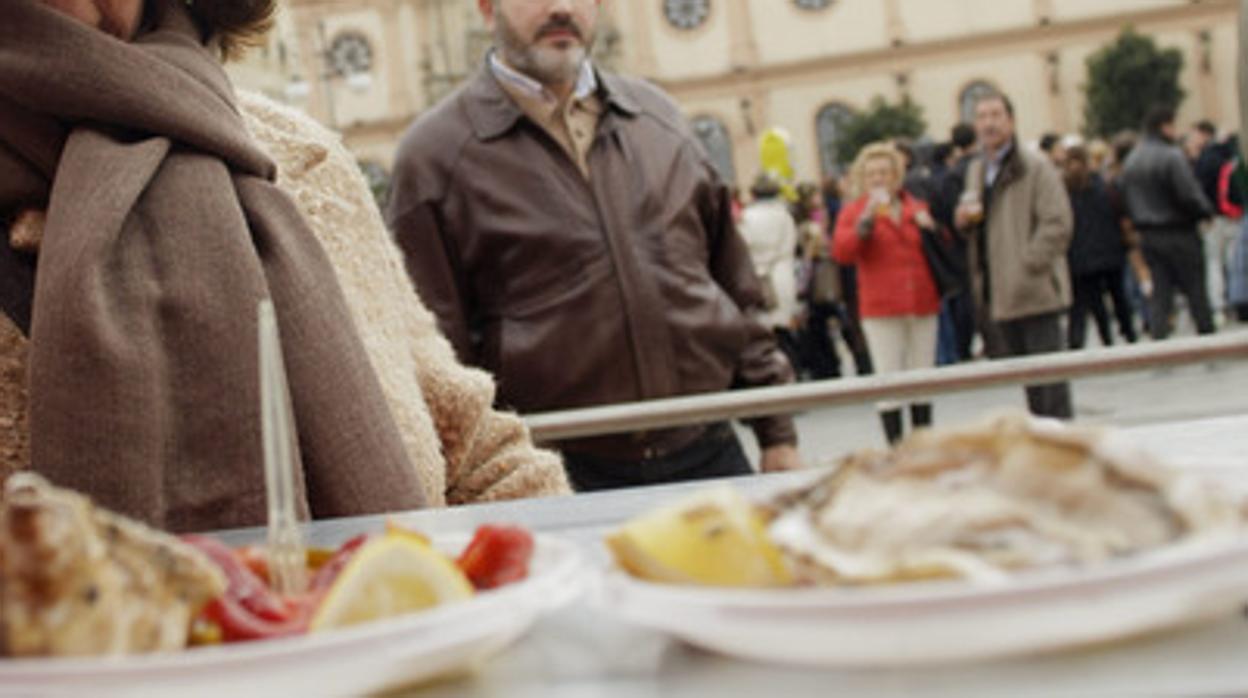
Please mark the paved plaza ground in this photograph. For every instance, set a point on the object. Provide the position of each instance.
(1152, 397)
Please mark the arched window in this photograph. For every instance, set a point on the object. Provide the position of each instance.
(970, 95)
(829, 125)
(714, 137)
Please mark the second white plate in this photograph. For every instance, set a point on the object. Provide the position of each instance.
(923, 623)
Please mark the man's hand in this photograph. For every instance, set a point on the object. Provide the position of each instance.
(964, 217)
(779, 459)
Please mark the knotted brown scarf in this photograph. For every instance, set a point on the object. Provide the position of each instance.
(164, 229)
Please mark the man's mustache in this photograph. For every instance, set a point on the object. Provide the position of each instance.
(560, 24)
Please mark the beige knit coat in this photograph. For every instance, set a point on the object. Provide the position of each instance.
(466, 451)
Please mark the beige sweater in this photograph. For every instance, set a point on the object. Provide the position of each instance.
(466, 451)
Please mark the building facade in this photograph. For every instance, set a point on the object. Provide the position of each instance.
(367, 68)
(738, 67)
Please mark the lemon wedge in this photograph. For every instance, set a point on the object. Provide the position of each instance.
(714, 538)
(390, 576)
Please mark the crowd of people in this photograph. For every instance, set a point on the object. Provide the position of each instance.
(983, 246)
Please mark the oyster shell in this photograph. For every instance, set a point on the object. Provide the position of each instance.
(981, 502)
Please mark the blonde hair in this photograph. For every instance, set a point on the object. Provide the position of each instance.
(1098, 154)
(882, 150)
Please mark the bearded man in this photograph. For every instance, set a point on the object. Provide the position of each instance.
(573, 239)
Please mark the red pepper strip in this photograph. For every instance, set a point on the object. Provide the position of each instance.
(243, 586)
(325, 576)
(497, 555)
(240, 625)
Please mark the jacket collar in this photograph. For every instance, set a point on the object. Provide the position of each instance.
(1012, 169)
(586, 81)
(492, 112)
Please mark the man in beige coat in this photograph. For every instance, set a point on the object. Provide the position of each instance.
(1018, 217)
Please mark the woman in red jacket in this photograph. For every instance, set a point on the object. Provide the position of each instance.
(879, 233)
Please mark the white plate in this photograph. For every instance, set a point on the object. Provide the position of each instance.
(924, 623)
(369, 658)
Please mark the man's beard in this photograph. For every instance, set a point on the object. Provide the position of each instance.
(548, 66)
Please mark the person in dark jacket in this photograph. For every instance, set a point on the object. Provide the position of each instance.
(1097, 255)
(847, 309)
(1219, 235)
(822, 282)
(1165, 203)
(957, 312)
(1213, 155)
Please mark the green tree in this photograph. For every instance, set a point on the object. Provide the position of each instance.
(879, 122)
(1128, 78)
(378, 181)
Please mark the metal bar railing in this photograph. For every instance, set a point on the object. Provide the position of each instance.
(791, 399)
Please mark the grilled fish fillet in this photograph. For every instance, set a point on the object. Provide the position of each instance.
(78, 580)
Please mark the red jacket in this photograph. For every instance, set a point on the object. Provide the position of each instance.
(893, 276)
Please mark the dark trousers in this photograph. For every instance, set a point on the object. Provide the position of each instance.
(717, 453)
(818, 348)
(1177, 262)
(1038, 334)
(851, 321)
(790, 344)
(957, 329)
(1090, 291)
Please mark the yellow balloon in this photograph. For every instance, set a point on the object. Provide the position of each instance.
(774, 153)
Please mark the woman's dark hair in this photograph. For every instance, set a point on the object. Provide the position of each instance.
(831, 186)
(802, 209)
(236, 25)
(1077, 181)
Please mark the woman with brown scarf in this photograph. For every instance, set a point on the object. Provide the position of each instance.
(160, 222)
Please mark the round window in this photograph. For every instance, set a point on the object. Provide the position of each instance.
(686, 14)
(350, 54)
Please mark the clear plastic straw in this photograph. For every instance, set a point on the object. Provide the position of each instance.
(287, 560)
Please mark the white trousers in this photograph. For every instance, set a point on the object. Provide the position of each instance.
(901, 343)
(1219, 235)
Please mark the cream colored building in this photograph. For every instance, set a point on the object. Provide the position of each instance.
(738, 67)
(367, 68)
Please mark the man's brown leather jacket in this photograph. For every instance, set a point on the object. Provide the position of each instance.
(630, 285)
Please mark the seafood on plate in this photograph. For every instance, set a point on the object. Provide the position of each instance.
(76, 580)
(982, 502)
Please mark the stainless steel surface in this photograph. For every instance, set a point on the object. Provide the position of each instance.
(792, 399)
(583, 651)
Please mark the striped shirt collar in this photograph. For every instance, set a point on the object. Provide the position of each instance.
(586, 82)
